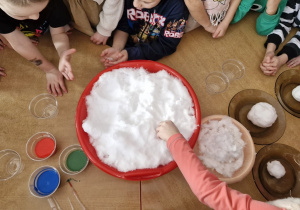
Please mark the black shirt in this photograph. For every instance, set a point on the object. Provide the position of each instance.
(55, 15)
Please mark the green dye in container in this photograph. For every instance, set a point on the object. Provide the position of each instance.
(76, 160)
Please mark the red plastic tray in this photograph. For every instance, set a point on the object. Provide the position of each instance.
(81, 114)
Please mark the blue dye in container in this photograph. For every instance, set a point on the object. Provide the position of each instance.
(46, 181)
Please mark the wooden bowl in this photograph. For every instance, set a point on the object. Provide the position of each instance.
(249, 152)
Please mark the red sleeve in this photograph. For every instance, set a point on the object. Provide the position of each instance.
(205, 185)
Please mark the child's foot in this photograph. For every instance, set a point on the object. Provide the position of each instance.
(272, 6)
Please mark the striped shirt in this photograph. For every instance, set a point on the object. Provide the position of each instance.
(290, 17)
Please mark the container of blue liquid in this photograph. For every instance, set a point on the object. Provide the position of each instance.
(44, 181)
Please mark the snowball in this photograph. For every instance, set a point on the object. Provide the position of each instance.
(262, 114)
(123, 110)
(276, 169)
(221, 146)
(296, 93)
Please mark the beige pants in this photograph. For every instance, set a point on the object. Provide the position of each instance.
(191, 24)
(85, 14)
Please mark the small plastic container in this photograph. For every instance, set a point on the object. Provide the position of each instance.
(44, 181)
(233, 69)
(73, 160)
(10, 164)
(44, 106)
(41, 146)
(216, 82)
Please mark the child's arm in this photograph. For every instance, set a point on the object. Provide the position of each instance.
(22, 45)
(205, 185)
(61, 42)
(222, 27)
(110, 15)
(198, 12)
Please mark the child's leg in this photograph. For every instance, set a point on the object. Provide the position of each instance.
(85, 14)
(269, 18)
(242, 10)
(272, 6)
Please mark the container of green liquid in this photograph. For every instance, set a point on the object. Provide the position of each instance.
(73, 160)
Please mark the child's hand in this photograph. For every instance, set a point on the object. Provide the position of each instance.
(220, 31)
(293, 62)
(64, 64)
(55, 82)
(112, 56)
(166, 129)
(121, 57)
(97, 38)
(271, 64)
(2, 45)
(2, 72)
(268, 57)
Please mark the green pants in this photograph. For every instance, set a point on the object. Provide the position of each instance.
(265, 23)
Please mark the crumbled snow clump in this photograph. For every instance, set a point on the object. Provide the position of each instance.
(221, 146)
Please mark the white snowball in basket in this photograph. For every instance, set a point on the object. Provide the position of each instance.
(124, 108)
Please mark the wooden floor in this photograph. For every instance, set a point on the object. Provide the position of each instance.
(197, 55)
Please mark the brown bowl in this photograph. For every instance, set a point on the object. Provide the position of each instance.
(249, 152)
(241, 104)
(288, 185)
(284, 86)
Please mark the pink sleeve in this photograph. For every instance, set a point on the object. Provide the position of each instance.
(205, 185)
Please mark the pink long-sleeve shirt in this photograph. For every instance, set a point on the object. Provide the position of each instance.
(205, 185)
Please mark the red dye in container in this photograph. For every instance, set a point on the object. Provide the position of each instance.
(44, 147)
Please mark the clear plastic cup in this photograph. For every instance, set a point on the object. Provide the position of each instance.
(233, 69)
(44, 106)
(216, 82)
(10, 164)
(41, 146)
(73, 160)
(44, 181)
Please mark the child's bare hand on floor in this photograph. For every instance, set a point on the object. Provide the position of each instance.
(2, 72)
(166, 129)
(293, 62)
(220, 31)
(64, 64)
(55, 83)
(98, 38)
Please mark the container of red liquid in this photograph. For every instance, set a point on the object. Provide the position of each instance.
(41, 146)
